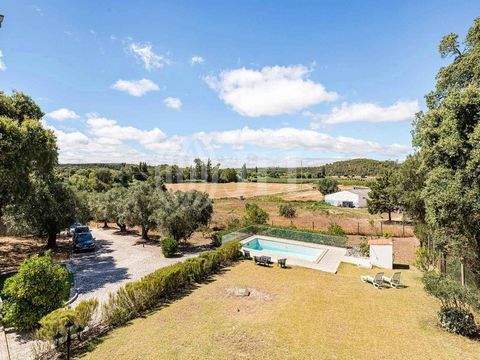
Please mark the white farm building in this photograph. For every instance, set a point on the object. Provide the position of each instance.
(356, 197)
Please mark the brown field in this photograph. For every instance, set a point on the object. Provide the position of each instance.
(235, 190)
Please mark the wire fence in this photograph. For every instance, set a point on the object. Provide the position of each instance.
(305, 236)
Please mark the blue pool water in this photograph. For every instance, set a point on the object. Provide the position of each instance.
(281, 248)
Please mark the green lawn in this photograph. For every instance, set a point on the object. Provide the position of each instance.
(294, 313)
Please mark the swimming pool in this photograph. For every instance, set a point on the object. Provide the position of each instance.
(303, 252)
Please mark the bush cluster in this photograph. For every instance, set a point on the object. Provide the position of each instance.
(137, 297)
(169, 247)
(82, 316)
(335, 229)
(39, 287)
(457, 320)
(287, 210)
(457, 302)
(254, 214)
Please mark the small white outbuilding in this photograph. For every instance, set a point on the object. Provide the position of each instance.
(356, 197)
(381, 253)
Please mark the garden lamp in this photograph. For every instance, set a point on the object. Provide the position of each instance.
(57, 337)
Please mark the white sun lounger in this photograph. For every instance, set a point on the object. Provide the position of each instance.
(393, 281)
(376, 281)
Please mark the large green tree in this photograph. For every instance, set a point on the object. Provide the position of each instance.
(181, 213)
(384, 194)
(50, 207)
(327, 185)
(447, 135)
(142, 202)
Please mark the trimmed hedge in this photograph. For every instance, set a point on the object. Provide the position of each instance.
(137, 297)
(169, 247)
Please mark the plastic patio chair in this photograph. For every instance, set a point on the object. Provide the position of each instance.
(393, 281)
(376, 281)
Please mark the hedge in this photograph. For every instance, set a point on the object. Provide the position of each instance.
(135, 298)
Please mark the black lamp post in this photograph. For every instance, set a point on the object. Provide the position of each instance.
(59, 336)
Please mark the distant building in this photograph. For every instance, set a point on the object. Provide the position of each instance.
(353, 198)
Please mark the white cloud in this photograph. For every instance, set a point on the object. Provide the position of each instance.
(3, 67)
(291, 138)
(135, 87)
(147, 56)
(62, 114)
(196, 60)
(272, 90)
(346, 113)
(172, 102)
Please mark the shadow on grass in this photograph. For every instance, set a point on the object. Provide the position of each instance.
(90, 345)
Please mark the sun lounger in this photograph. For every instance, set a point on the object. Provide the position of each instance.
(246, 253)
(262, 260)
(282, 263)
(376, 281)
(393, 281)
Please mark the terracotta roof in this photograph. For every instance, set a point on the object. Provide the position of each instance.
(380, 242)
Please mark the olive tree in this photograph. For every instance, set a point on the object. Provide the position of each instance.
(327, 185)
(181, 213)
(142, 202)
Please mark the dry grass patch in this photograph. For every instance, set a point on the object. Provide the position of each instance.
(309, 315)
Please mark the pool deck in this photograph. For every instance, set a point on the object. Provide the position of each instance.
(329, 261)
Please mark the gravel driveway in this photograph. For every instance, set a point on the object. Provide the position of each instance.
(118, 259)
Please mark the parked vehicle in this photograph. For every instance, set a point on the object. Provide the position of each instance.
(83, 241)
(72, 228)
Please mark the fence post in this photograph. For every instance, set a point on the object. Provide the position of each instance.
(313, 225)
(403, 228)
(358, 228)
(462, 272)
(381, 228)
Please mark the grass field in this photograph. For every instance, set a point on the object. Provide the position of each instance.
(291, 313)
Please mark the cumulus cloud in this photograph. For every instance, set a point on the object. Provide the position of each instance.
(145, 54)
(291, 138)
(346, 113)
(173, 102)
(62, 114)
(196, 60)
(272, 90)
(135, 87)
(3, 67)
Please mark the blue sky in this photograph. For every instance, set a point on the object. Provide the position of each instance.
(266, 82)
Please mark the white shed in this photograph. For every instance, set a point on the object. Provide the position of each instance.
(381, 253)
(356, 197)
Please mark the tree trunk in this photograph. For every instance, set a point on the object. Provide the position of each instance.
(105, 225)
(52, 241)
(145, 232)
(389, 216)
(122, 227)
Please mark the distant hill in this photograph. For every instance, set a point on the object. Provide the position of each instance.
(357, 167)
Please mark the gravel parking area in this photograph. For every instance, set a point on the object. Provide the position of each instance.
(117, 259)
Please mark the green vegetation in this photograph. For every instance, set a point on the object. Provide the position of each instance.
(179, 214)
(335, 229)
(137, 297)
(384, 196)
(254, 214)
(169, 247)
(287, 210)
(39, 287)
(327, 186)
(82, 316)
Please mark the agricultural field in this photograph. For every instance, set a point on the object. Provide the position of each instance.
(236, 190)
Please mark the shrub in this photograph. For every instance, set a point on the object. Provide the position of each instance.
(82, 316)
(39, 287)
(287, 210)
(139, 296)
(255, 214)
(232, 222)
(335, 229)
(364, 247)
(457, 302)
(169, 247)
(425, 259)
(387, 234)
(457, 321)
